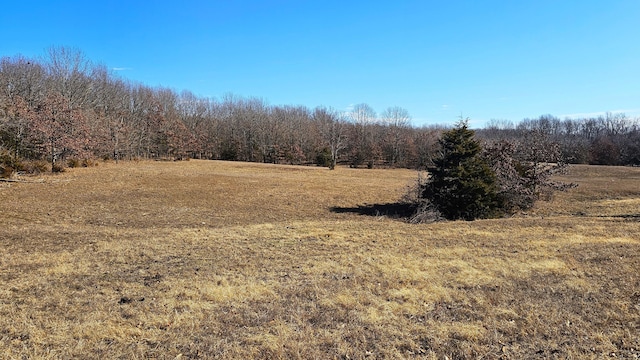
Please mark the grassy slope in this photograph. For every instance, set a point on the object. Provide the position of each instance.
(232, 260)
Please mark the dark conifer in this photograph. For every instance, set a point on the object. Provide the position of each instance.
(461, 183)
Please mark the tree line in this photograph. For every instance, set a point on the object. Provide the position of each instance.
(609, 139)
(62, 108)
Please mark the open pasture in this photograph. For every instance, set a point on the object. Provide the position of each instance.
(210, 259)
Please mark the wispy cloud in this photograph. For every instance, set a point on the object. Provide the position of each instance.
(121, 68)
(630, 112)
(444, 107)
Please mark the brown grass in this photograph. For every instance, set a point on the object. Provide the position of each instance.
(206, 259)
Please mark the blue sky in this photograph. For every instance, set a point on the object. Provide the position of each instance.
(438, 59)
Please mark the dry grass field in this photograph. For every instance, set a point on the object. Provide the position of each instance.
(208, 259)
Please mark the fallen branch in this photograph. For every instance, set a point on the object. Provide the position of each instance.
(21, 181)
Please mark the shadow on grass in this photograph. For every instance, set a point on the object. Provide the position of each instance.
(393, 210)
(631, 217)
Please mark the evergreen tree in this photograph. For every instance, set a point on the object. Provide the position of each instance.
(461, 183)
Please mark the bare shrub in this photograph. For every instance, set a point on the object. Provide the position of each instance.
(514, 191)
(35, 167)
(8, 165)
(57, 168)
(524, 171)
(413, 192)
(425, 213)
(73, 162)
(89, 163)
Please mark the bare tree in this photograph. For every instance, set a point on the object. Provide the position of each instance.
(290, 137)
(22, 77)
(426, 145)
(22, 84)
(109, 118)
(333, 129)
(363, 147)
(300, 137)
(397, 120)
(69, 74)
(59, 130)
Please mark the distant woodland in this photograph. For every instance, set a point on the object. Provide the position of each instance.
(63, 108)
